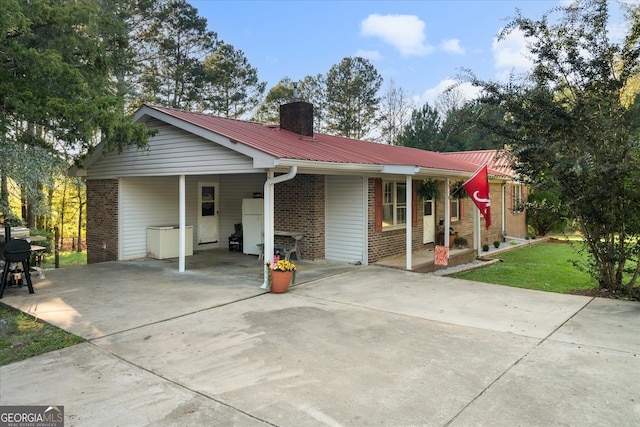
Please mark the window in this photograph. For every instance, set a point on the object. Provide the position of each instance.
(394, 204)
(516, 191)
(455, 209)
(208, 200)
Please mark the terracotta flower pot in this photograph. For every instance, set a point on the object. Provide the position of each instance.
(280, 281)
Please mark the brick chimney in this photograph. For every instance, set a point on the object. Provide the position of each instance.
(297, 116)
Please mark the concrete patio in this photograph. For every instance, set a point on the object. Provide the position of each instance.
(347, 346)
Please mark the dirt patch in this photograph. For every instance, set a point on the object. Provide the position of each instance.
(556, 240)
(604, 293)
(594, 292)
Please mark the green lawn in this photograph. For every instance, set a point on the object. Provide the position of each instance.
(22, 336)
(67, 258)
(540, 266)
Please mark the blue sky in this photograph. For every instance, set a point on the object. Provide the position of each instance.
(421, 45)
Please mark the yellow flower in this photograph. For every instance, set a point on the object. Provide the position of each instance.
(283, 265)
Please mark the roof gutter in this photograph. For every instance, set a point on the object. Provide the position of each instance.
(343, 167)
(268, 220)
(377, 169)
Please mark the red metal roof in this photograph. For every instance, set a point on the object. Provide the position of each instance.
(498, 160)
(284, 144)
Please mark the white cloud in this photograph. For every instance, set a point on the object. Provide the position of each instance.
(511, 51)
(511, 54)
(452, 46)
(404, 32)
(466, 91)
(368, 54)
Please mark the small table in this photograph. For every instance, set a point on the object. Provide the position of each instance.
(287, 250)
(37, 254)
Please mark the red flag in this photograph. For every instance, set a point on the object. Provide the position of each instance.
(477, 187)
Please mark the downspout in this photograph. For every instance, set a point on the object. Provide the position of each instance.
(504, 210)
(268, 221)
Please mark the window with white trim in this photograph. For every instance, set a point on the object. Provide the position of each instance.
(455, 209)
(394, 204)
(516, 191)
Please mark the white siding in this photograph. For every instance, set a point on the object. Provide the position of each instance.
(152, 201)
(171, 152)
(144, 202)
(234, 188)
(345, 219)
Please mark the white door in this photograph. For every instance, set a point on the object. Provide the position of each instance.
(428, 222)
(207, 213)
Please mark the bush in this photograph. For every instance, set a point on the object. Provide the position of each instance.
(460, 241)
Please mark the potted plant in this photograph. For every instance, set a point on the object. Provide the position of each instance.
(282, 274)
(429, 189)
(460, 242)
(452, 236)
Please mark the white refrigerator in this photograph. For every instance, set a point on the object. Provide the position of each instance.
(252, 225)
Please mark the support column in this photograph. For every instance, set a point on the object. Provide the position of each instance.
(447, 212)
(409, 217)
(182, 225)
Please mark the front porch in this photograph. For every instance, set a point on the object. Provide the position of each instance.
(423, 260)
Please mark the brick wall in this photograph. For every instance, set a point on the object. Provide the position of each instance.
(299, 207)
(102, 220)
(393, 242)
(516, 222)
(464, 226)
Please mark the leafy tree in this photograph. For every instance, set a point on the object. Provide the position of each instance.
(395, 112)
(57, 90)
(231, 86)
(465, 128)
(173, 43)
(269, 110)
(313, 89)
(138, 17)
(571, 124)
(352, 104)
(423, 130)
(545, 213)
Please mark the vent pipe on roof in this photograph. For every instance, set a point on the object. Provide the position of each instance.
(295, 92)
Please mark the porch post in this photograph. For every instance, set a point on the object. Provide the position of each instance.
(409, 229)
(447, 213)
(477, 231)
(182, 226)
(269, 187)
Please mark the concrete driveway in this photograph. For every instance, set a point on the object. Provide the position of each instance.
(346, 347)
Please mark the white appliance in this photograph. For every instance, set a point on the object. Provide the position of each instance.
(252, 225)
(162, 241)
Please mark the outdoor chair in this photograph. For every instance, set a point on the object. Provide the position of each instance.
(235, 240)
